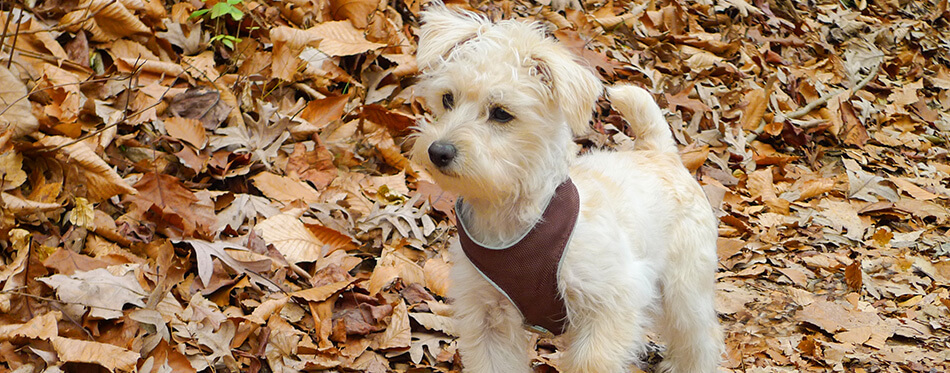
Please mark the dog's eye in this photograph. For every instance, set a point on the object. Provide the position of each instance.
(500, 115)
(448, 101)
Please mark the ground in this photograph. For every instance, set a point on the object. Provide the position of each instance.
(223, 186)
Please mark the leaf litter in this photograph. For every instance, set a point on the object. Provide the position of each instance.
(171, 202)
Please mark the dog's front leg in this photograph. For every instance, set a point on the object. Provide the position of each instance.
(491, 336)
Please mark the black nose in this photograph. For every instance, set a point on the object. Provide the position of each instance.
(441, 154)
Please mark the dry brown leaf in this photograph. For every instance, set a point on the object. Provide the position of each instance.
(332, 237)
(98, 177)
(912, 189)
(40, 327)
(357, 11)
(437, 276)
(284, 189)
(854, 276)
(188, 130)
(108, 356)
(757, 103)
(392, 265)
(431, 321)
(319, 294)
(18, 205)
(340, 38)
(760, 185)
(292, 238)
(181, 207)
(833, 318)
(320, 113)
(11, 170)
(398, 333)
(814, 187)
(16, 112)
(109, 24)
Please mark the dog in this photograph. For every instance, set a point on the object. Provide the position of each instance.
(506, 102)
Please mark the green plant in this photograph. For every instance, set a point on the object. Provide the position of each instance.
(219, 10)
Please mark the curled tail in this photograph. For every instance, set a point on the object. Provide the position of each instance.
(641, 111)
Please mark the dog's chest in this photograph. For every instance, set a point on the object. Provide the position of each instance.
(526, 272)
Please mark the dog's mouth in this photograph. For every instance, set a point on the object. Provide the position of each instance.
(446, 171)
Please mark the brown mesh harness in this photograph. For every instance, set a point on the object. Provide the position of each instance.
(526, 272)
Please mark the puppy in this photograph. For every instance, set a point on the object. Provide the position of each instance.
(507, 101)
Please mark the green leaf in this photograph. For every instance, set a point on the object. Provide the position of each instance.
(219, 10)
(236, 14)
(198, 13)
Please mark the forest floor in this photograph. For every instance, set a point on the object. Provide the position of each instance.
(223, 186)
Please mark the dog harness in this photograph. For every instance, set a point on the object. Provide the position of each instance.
(526, 272)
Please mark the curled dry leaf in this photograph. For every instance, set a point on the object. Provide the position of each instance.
(398, 333)
(321, 293)
(357, 11)
(11, 170)
(435, 322)
(437, 276)
(40, 327)
(100, 179)
(112, 20)
(15, 111)
(106, 355)
(393, 265)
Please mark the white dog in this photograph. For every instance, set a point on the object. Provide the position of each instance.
(506, 100)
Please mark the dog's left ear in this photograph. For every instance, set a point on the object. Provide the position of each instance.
(574, 86)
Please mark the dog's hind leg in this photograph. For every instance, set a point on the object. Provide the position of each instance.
(492, 338)
(609, 312)
(688, 320)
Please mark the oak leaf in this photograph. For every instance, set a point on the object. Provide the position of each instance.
(102, 291)
(204, 250)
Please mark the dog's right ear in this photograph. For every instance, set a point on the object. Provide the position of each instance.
(442, 30)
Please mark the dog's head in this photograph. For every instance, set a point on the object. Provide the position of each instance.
(506, 100)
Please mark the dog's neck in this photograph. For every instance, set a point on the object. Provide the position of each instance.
(501, 222)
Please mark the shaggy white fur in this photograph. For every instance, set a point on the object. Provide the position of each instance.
(507, 101)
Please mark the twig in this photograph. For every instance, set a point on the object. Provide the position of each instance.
(13, 45)
(125, 114)
(820, 101)
(6, 26)
(27, 95)
(823, 99)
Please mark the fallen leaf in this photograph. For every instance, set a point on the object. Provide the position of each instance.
(16, 113)
(102, 291)
(106, 355)
(292, 238)
(100, 179)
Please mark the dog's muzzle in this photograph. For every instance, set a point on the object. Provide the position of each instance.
(442, 154)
